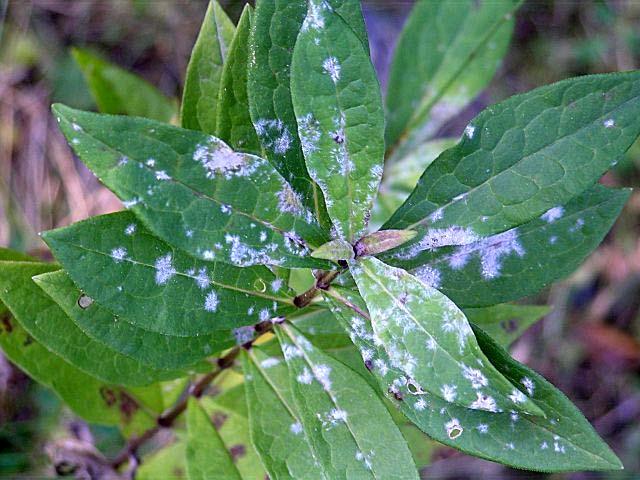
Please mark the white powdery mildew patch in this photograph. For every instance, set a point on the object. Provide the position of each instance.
(314, 19)
(322, 373)
(453, 428)
(439, 237)
(484, 402)
(211, 301)
(529, 385)
(455, 322)
(243, 255)
(609, 123)
(381, 366)
(420, 404)
(553, 214)
(449, 392)
(305, 377)
(291, 351)
(469, 130)
(365, 459)
(290, 202)
(130, 230)
(162, 175)
(202, 279)
(436, 215)
(119, 254)
(276, 285)
(274, 135)
(296, 428)
(331, 66)
(217, 158)
(164, 269)
(429, 276)
(244, 335)
(309, 132)
(150, 163)
(491, 251)
(333, 417)
(270, 362)
(76, 127)
(475, 376)
(482, 428)
(517, 396)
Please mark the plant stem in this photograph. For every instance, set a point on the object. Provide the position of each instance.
(322, 283)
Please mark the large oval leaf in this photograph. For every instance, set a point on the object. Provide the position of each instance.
(192, 190)
(117, 262)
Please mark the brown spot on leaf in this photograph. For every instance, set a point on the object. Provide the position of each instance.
(218, 419)
(128, 406)
(109, 396)
(511, 325)
(6, 322)
(237, 451)
(27, 341)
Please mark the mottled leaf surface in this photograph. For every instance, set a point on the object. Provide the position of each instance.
(274, 423)
(118, 91)
(48, 324)
(520, 261)
(157, 350)
(192, 190)
(525, 155)
(447, 53)
(336, 407)
(234, 124)
(202, 82)
(274, 32)
(336, 98)
(206, 454)
(159, 288)
(428, 337)
(168, 463)
(563, 441)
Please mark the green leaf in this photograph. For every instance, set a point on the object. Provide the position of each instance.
(12, 255)
(91, 399)
(429, 339)
(195, 192)
(234, 124)
(336, 408)
(168, 463)
(526, 155)
(351, 12)
(206, 454)
(564, 441)
(505, 323)
(48, 324)
(336, 98)
(204, 72)
(159, 288)
(334, 250)
(117, 91)
(378, 242)
(447, 53)
(164, 352)
(520, 261)
(274, 424)
(273, 35)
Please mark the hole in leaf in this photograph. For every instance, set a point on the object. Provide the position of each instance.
(414, 388)
(84, 301)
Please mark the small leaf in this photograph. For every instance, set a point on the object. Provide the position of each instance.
(336, 98)
(336, 407)
(117, 91)
(505, 323)
(447, 53)
(202, 83)
(234, 124)
(206, 454)
(273, 35)
(381, 241)
(155, 349)
(12, 255)
(334, 250)
(518, 262)
(159, 288)
(430, 340)
(275, 427)
(564, 441)
(528, 154)
(193, 191)
(48, 324)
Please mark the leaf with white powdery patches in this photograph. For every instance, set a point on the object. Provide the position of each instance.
(159, 288)
(202, 83)
(429, 339)
(274, 423)
(336, 98)
(518, 262)
(207, 456)
(564, 441)
(193, 191)
(447, 53)
(234, 124)
(521, 157)
(336, 406)
(155, 349)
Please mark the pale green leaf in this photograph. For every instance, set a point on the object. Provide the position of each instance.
(275, 28)
(336, 98)
(120, 92)
(234, 124)
(192, 190)
(563, 441)
(168, 463)
(202, 83)
(336, 408)
(429, 339)
(157, 287)
(207, 456)
(525, 155)
(520, 261)
(447, 53)
(157, 350)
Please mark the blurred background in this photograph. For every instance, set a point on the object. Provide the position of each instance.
(588, 346)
